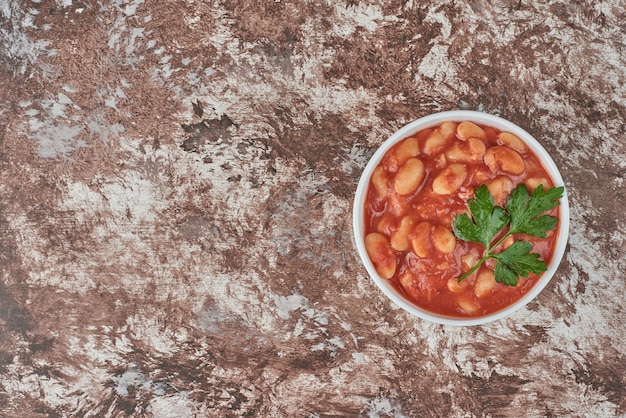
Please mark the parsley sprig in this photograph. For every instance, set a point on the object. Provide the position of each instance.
(524, 214)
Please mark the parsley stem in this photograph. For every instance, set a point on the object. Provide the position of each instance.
(488, 254)
(473, 269)
(500, 241)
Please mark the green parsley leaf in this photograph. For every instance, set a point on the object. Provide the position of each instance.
(525, 210)
(488, 219)
(524, 214)
(505, 275)
(517, 260)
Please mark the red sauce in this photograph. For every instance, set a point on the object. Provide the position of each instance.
(429, 279)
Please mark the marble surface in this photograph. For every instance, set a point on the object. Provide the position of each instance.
(176, 186)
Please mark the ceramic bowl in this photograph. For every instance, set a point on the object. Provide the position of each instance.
(430, 121)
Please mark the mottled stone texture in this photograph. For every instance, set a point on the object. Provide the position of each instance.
(176, 186)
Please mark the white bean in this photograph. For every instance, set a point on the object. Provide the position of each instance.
(467, 130)
(387, 224)
(472, 150)
(400, 238)
(533, 182)
(447, 129)
(455, 286)
(505, 159)
(420, 239)
(512, 141)
(408, 148)
(409, 177)
(500, 188)
(380, 180)
(381, 254)
(468, 305)
(485, 282)
(443, 239)
(450, 179)
(406, 279)
(434, 143)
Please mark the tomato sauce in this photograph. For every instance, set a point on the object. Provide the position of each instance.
(409, 216)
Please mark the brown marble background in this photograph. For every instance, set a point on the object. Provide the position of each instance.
(175, 217)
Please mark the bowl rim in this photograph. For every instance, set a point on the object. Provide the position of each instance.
(433, 120)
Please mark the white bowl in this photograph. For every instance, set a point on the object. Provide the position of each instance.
(430, 121)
